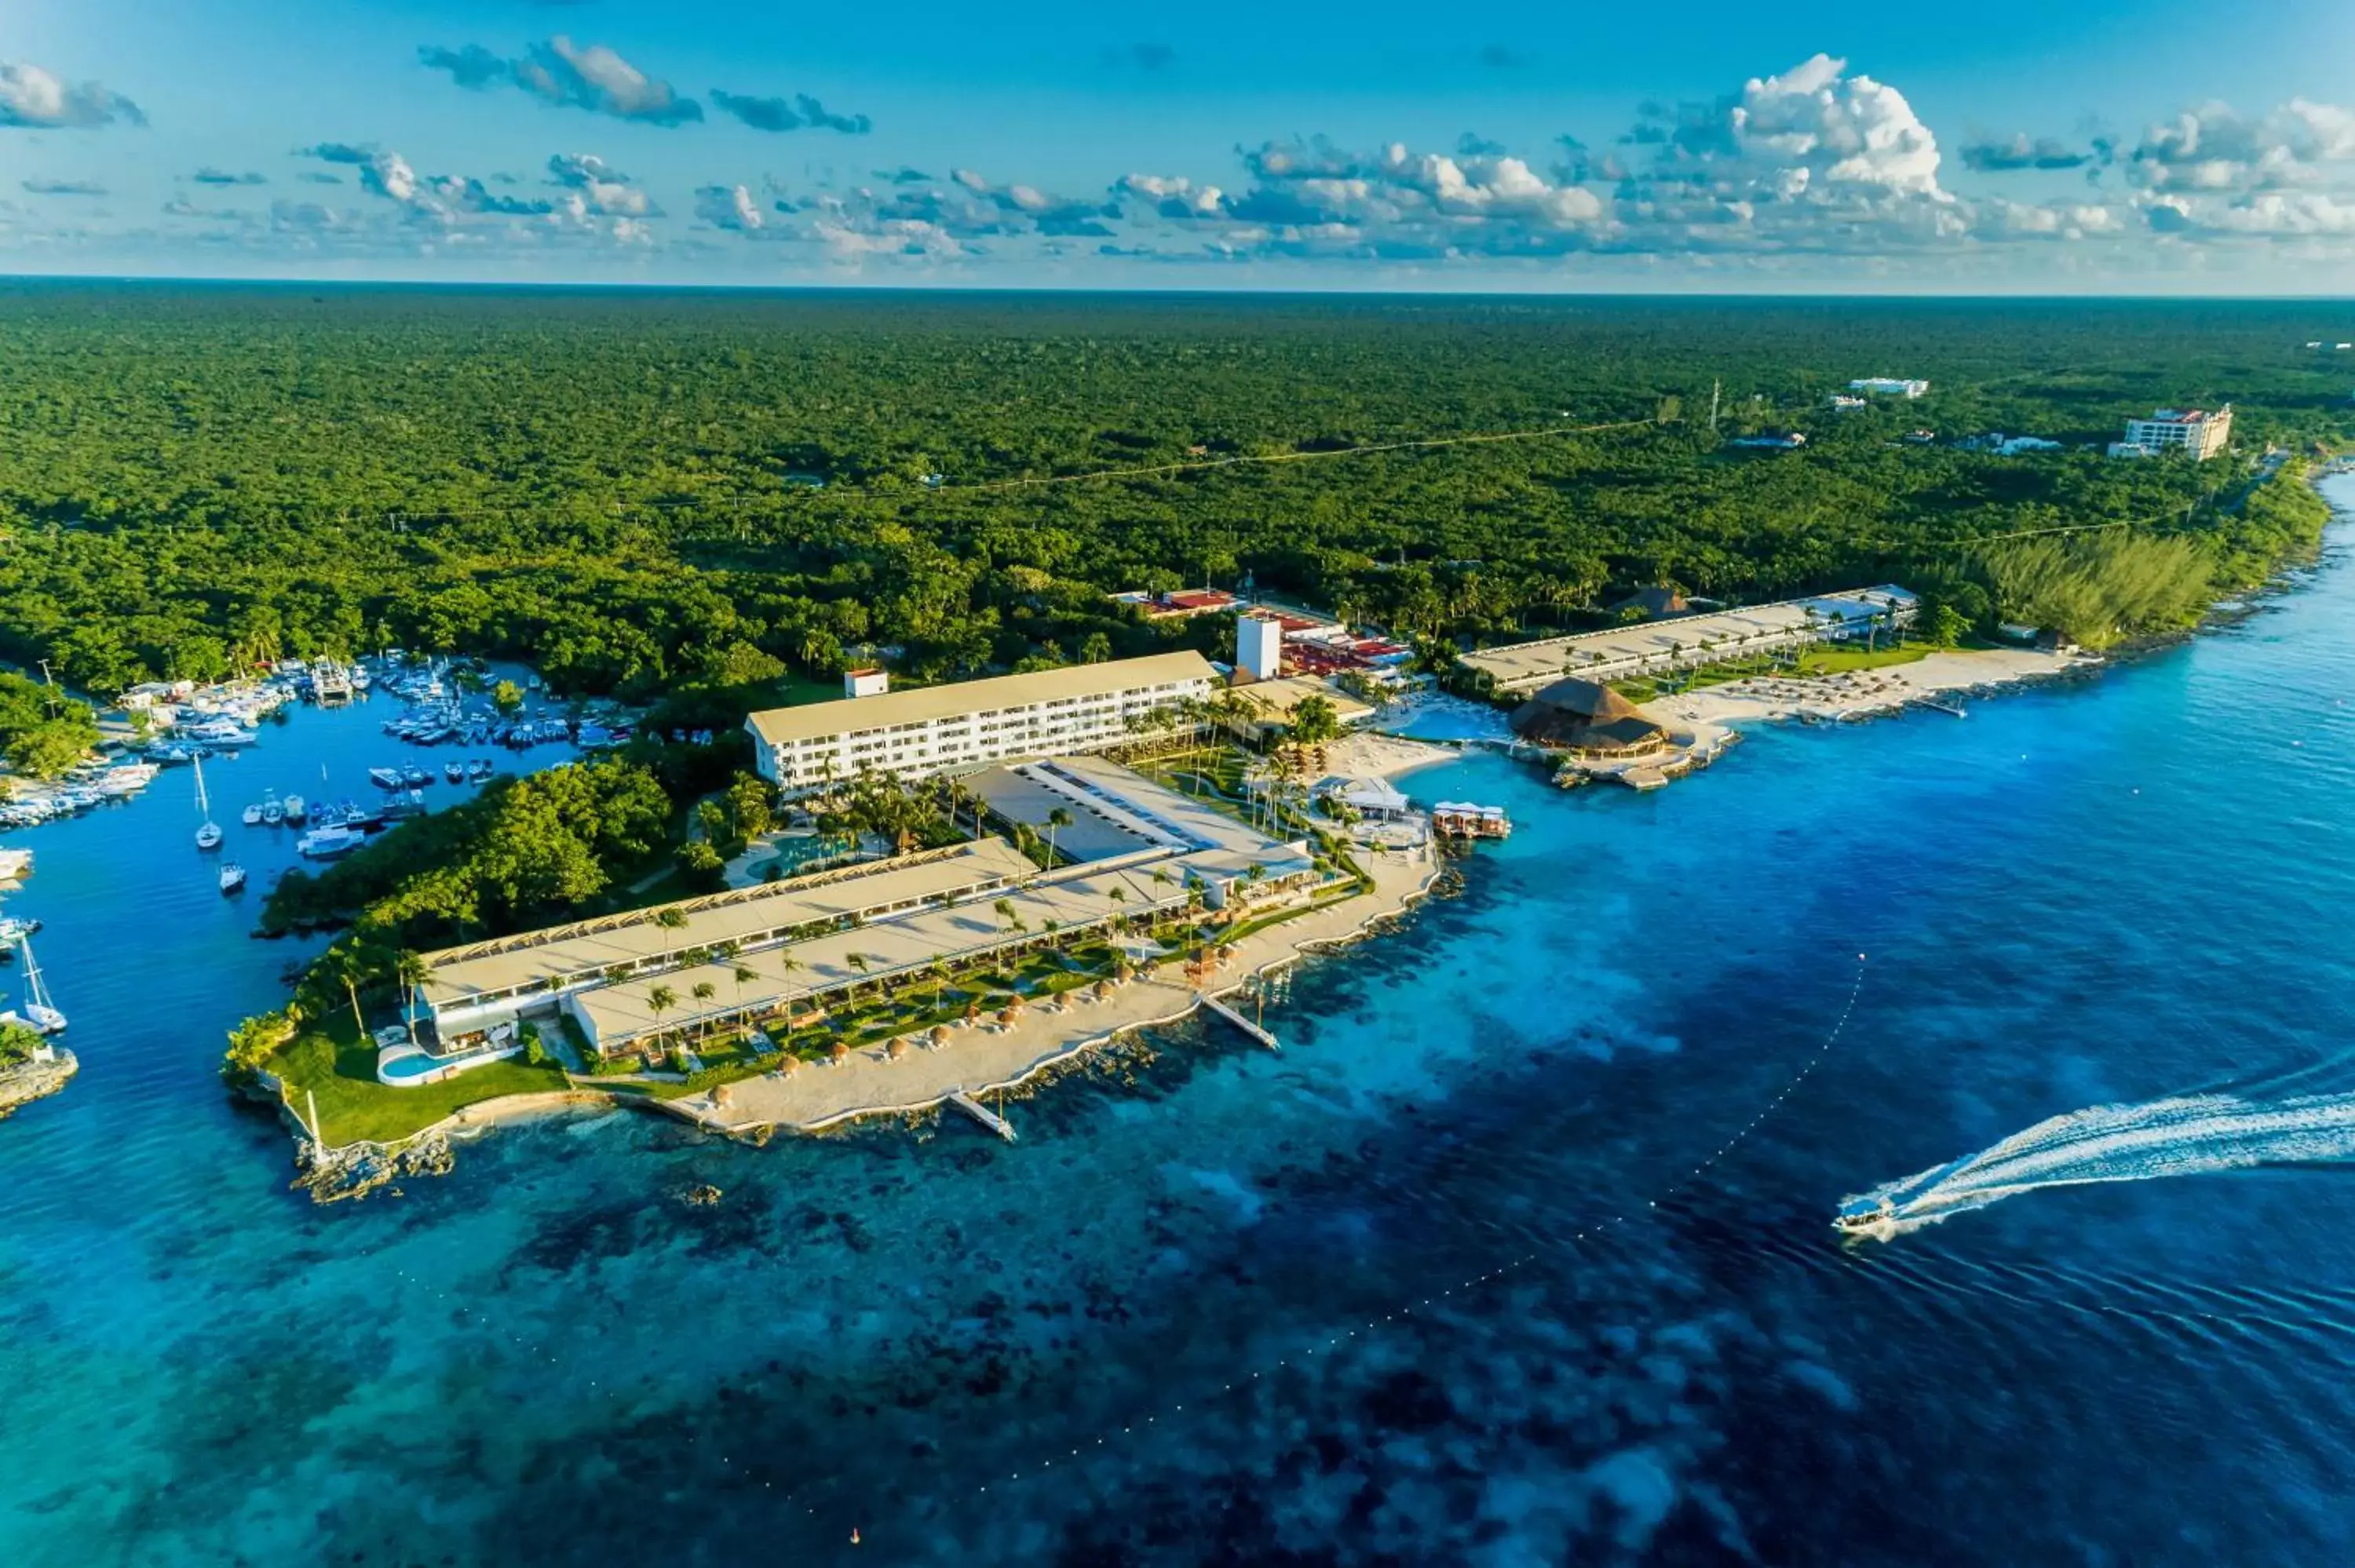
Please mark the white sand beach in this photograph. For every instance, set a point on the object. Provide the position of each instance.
(1858, 692)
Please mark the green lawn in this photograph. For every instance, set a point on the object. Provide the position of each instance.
(1839, 661)
(339, 1071)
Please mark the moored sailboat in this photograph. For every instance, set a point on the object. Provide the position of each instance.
(209, 835)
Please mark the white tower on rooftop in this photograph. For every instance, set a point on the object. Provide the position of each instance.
(1258, 646)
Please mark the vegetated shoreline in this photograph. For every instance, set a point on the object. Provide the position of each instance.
(350, 1170)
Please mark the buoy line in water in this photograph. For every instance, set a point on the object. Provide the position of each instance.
(1596, 1231)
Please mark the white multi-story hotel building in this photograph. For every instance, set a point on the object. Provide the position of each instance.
(918, 733)
(2199, 432)
(1889, 386)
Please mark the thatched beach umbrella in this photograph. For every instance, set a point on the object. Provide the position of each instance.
(1100, 990)
(719, 1096)
(898, 1048)
(940, 1035)
(1005, 1017)
(841, 1052)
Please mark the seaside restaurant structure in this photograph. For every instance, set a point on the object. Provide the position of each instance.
(916, 734)
(1140, 852)
(1690, 641)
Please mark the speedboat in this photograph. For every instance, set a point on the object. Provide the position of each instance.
(273, 811)
(296, 810)
(479, 769)
(233, 878)
(251, 816)
(1864, 1215)
(454, 771)
(385, 777)
(415, 778)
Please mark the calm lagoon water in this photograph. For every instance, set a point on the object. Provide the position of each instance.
(1219, 1304)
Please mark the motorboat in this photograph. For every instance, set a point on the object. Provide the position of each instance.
(251, 816)
(14, 930)
(415, 778)
(233, 876)
(297, 809)
(479, 769)
(454, 771)
(115, 783)
(327, 843)
(1865, 1215)
(385, 777)
(273, 811)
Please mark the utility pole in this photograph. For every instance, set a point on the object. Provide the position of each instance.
(1713, 388)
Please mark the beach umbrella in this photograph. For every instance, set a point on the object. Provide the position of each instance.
(940, 1035)
(898, 1048)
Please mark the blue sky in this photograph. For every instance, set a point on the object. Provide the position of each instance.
(2016, 145)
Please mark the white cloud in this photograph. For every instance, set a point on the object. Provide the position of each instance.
(729, 207)
(33, 99)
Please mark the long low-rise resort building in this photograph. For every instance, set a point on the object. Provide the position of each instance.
(918, 733)
(1625, 652)
(1136, 852)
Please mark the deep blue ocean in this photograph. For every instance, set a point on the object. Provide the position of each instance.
(1220, 1305)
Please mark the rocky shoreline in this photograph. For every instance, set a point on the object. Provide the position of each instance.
(34, 1080)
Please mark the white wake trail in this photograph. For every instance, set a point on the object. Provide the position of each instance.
(2182, 1137)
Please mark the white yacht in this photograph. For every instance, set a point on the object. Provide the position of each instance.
(296, 810)
(327, 843)
(273, 811)
(233, 876)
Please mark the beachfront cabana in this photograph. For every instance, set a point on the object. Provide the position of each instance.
(1588, 718)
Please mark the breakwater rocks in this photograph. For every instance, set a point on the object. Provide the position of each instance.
(356, 1170)
(23, 1084)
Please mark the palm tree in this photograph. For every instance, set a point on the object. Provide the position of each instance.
(939, 970)
(704, 992)
(351, 970)
(670, 917)
(659, 1001)
(857, 961)
(1060, 817)
(787, 966)
(409, 968)
(741, 976)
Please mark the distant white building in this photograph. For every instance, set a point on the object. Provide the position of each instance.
(921, 731)
(2197, 431)
(1843, 403)
(1888, 386)
(866, 682)
(1258, 646)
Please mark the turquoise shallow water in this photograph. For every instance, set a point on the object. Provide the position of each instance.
(2115, 891)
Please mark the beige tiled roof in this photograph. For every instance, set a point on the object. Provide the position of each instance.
(923, 704)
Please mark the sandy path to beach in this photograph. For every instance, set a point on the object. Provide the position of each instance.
(983, 1058)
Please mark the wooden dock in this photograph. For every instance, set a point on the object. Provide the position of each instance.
(982, 1114)
(1239, 1022)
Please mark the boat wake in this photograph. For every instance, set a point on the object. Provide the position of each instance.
(2182, 1137)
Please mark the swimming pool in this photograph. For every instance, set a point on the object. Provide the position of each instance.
(409, 1066)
